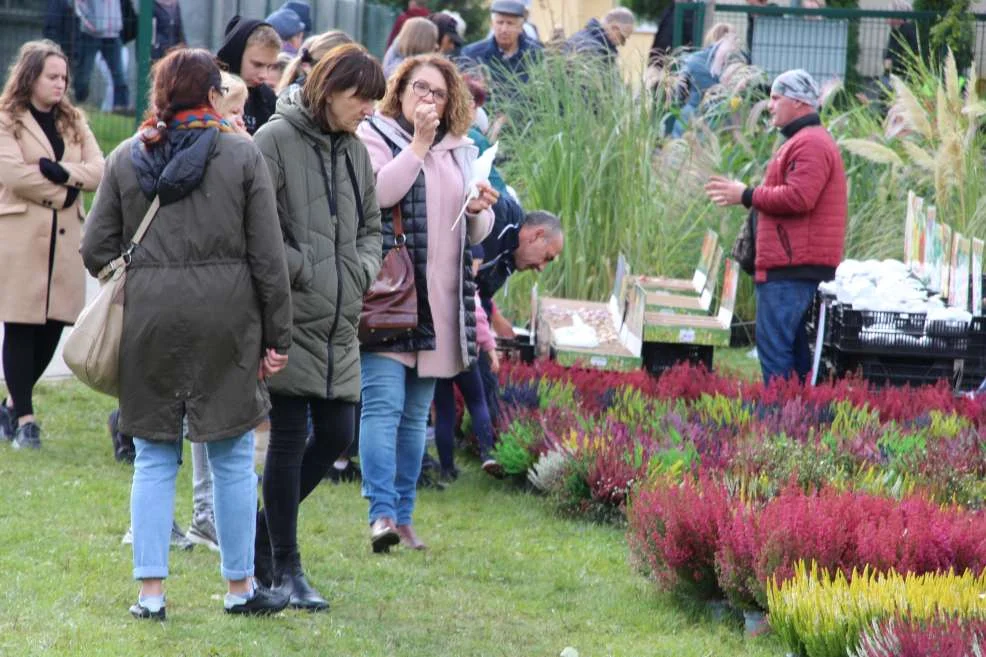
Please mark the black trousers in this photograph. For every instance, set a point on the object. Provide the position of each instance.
(295, 465)
(27, 351)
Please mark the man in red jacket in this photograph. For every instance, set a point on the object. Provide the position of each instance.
(801, 211)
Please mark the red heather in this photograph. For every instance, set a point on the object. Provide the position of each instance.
(674, 529)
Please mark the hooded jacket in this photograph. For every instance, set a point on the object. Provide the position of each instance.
(261, 100)
(207, 290)
(330, 220)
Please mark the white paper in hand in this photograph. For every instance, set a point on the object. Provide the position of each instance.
(482, 166)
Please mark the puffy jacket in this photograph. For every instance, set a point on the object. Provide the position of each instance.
(207, 289)
(327, 205)
(802, 206)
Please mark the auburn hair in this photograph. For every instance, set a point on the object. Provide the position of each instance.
(182, 80)
(24, 72)
(348, 66)
(458, 111)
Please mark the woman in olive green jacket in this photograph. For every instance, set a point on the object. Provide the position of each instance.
(330, 219)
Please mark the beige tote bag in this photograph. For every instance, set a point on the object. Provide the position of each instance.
(92, 350)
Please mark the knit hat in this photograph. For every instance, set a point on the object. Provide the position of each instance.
(303, 10)
(797, 84)
(286, 22)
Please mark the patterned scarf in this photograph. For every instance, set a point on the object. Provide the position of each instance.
(196, 118)
(199, 118)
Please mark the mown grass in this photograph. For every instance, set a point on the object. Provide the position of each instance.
(503, 576)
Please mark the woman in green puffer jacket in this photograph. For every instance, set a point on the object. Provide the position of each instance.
(330, 220)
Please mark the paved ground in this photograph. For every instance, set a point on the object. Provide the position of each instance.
(58, 369)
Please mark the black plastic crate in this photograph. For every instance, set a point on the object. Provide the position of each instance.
(974, 367)
(894, 333)
(661, 356)
(897, 370)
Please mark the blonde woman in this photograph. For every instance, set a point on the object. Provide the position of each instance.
(419, 36)
(233, 100)
(48, 156)
(312, 51)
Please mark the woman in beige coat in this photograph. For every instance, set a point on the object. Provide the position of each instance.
(48, 156)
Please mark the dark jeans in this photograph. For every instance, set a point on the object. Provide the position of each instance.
(470, 384)
(295, 465)
(27, 351)
(110, 50)
(782, 342)
(491, 388)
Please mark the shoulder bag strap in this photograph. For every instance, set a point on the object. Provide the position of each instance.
(124, 259)
(148, 218)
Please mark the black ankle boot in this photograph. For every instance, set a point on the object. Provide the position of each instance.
(290, 581)
(263, 556)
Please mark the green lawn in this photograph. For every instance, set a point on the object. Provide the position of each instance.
(504, 576)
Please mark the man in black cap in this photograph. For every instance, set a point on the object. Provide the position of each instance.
(509, 52)
(449, 39)
(250, 51)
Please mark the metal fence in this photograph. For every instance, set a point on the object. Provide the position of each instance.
(824, 42)
(24, 20)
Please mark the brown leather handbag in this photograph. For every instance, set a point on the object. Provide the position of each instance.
(390, 306)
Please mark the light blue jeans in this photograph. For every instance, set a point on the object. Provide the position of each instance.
(152, 503)
(392, 435)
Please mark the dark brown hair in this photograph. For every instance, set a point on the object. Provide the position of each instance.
(182, 80)
(344, 67)
(24, 72)
(458, 113)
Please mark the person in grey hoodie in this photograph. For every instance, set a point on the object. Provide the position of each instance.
(330, 219)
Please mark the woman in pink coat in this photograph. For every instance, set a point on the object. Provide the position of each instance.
(423, 164)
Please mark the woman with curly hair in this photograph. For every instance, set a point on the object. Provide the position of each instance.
(422, 160)
(48, 156)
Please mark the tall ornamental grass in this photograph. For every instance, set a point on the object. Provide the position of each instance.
(581, 144)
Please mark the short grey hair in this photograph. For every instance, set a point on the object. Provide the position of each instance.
(543, 219)
(620, 15)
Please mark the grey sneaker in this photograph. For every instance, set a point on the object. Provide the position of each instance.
(178, 539)
(202, 531)
(28, 436)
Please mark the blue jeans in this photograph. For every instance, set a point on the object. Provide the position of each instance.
(782, 342)
(110, 49)
(152, 503)
(392, 435)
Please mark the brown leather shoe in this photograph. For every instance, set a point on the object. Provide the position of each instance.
(383, 535)
(409, 539)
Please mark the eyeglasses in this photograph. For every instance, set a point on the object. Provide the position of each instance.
(421, 90)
